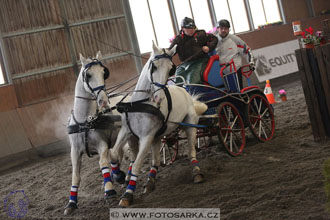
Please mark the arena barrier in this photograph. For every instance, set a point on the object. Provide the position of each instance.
(314, 68)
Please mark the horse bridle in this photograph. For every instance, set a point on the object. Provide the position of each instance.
(97, 89)
(152, 67)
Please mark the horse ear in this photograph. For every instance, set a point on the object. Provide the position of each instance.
(173, 50)
(155, 48)
(82, 60)
(99, 55)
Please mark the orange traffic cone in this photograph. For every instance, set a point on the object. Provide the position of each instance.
(269, 93)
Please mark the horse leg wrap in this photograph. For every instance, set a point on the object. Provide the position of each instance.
(74, 195)
(149, 186)
(107, 178)
(129, 173)
(115, 169)
(117, 174)
(196, 171)
(153, 171)
(132, 184)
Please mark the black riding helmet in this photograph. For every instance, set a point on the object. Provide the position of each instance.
(223, 23)
(188, 23)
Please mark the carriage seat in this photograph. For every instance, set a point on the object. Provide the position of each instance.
(211, 75)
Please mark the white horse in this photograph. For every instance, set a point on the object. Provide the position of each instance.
(149, 116)
(88, 134)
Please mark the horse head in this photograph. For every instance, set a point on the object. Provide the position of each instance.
(161, 65)
(93, 75)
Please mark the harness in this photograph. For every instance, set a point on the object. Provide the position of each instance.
(140, 106)
(98, 120)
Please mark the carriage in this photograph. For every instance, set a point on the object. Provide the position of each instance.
(230, 111)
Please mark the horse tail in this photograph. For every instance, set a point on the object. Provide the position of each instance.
(200, 107)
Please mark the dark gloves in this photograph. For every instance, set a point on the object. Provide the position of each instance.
(252, 66)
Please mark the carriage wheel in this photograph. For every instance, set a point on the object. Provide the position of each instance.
(260, 118)
(168, 151)
(231, 130)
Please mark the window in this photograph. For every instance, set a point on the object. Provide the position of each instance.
(238, 13)
(264, 12)
(2, 70)
(201, 14)
(152, 21)
(182, 10)
(222, 11)
(2, 80)
(142, 23)
(162, 22)
(272, 11)
(153, 18)
(257, 12)
(235, 12)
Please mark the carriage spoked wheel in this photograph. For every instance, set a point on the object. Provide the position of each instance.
(231, 131)
(169, 151)
(260, 118)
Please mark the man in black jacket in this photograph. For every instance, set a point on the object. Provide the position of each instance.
(193, 47)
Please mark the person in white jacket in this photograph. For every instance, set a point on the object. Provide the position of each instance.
(232, 47)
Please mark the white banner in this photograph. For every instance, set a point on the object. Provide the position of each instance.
(276, 60)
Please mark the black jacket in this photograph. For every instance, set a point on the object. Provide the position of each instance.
(190, 47)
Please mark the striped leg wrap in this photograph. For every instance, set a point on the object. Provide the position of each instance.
(153, 171)
(195, 163)
(132, 184)
(129, 172)
(115, 169)
(74, 194)
(130, 168)
(106, 175)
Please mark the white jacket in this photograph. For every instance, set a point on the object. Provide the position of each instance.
(233, 47)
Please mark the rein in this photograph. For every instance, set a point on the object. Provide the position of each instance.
(86, 98)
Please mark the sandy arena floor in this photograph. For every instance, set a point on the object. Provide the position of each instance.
(277, 180)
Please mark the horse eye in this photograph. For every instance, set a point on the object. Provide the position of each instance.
(88, 76)
(154, 68)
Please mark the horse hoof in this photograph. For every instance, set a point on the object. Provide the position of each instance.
(119, 178)
(198, 178)
(123, 203)
(110, 194)
(149, 186)
(70, 207)
(126, 200)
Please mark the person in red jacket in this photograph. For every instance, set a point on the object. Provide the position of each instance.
(192, 47)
